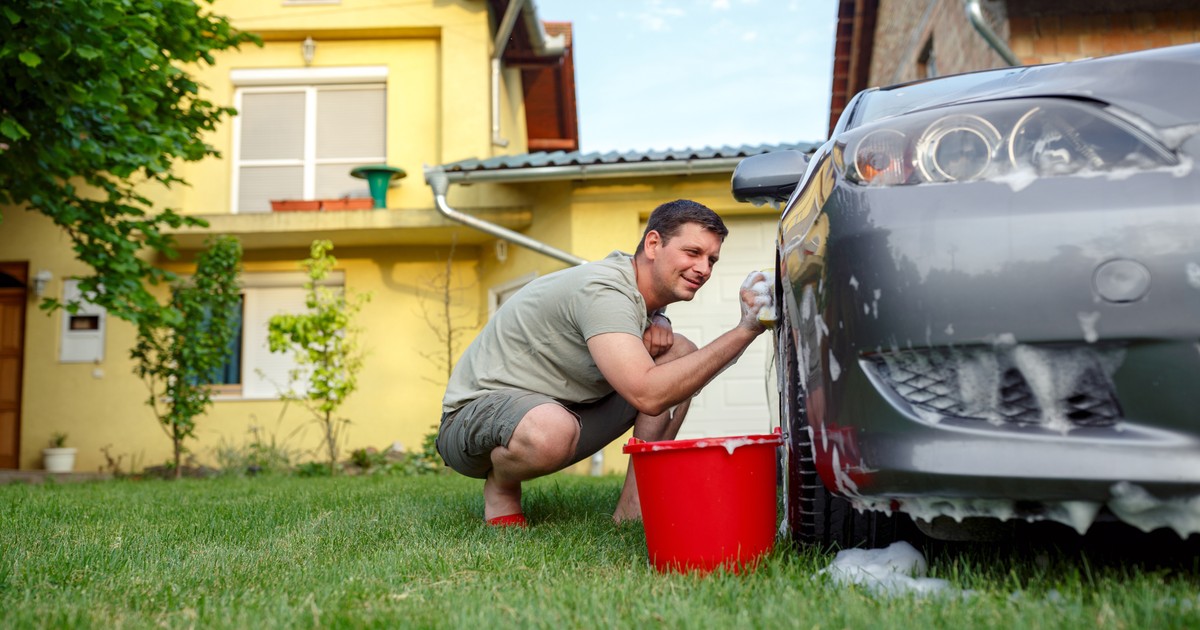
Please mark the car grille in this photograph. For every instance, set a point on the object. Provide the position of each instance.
(1061, 387)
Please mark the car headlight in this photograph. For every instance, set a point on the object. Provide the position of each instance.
(1040, 137)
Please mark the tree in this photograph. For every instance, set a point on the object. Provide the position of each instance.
(448, 320)
(325, 345)
(178, 352)
(97, 102)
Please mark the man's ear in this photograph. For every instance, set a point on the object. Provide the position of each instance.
(652, 243)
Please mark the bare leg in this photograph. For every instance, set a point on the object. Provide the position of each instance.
(542, 443)
(658, 428)
(653, 429)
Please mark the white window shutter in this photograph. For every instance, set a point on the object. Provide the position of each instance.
(272, 126)
(350, 123)
(266, 373)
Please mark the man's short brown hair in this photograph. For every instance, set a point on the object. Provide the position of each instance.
(670, 217)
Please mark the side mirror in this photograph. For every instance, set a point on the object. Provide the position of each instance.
(769, 176)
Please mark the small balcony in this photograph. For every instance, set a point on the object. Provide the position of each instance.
(350, 228)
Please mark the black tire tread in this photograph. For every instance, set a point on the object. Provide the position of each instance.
(815, 516)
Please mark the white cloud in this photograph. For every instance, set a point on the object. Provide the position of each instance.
(720, 5)
(749, 36)
(658, 18)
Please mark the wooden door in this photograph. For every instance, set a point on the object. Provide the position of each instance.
(13, 295)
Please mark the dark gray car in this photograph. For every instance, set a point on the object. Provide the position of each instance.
(990, 302)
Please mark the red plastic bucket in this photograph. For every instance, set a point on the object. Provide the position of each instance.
(707, 503)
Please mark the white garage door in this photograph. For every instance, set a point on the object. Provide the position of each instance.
(737, 401)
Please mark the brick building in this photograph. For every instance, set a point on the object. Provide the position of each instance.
(883, 42)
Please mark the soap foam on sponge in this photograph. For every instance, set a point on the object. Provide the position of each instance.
(764, 299)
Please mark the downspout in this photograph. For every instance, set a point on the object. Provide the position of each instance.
(503, 33)
(437, 180)
(542, 44)
(975, 16)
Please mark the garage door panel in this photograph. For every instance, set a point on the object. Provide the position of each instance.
(743, 393)
(735, 402)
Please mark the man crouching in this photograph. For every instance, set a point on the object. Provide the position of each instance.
(575, 358)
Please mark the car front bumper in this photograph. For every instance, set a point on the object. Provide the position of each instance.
(1029, 346)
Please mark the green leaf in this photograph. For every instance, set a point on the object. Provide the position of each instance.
(13, 129)
(30, 58)
(87, 52)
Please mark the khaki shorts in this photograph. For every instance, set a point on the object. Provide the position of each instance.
(468, 435)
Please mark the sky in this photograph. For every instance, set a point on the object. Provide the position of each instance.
(674, 74)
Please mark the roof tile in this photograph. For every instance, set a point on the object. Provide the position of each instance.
(577, 158)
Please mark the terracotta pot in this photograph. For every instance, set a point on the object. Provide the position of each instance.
(292, 205)
(347, 203)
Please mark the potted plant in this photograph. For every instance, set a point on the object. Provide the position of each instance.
(290, 205)
(58, 457)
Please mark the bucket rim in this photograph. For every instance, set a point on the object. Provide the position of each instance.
(727, 442)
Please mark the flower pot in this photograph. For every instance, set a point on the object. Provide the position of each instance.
(293, 205)
(347, 203)
(59, 460)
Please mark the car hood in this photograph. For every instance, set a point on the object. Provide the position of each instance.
(1159, 85)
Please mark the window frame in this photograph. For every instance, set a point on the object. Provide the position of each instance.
(499, 293)
(250, 362)
(307, 81)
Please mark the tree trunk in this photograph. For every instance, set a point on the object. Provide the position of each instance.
(178, 451)
(330, 443)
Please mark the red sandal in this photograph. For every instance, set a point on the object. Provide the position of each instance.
(510, 520)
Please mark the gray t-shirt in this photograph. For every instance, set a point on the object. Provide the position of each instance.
(537, 340)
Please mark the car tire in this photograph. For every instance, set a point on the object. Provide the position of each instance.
(813, 515)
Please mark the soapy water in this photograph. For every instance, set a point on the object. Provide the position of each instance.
(1087, 321)
(896, 570)
(1020, 179)
(973, 380)
(900, 570)
(1193, 274)
(1134, 505)
(1129, 502)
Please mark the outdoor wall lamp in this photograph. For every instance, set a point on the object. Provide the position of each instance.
(308, 50)
(40, 280)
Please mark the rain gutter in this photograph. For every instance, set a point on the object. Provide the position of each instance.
(975, 16)
(440, 183)
(694, 166)
(543, 46)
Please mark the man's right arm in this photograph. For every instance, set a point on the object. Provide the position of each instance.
(651, 388)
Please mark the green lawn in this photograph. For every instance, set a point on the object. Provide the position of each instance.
(411, 552)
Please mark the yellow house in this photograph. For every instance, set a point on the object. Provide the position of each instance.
(479, 94)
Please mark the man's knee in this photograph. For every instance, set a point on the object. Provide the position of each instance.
(680, 347)
(547, 437)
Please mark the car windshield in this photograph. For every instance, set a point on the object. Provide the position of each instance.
(900, 99)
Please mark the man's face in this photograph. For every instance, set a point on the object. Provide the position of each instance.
(683, 264)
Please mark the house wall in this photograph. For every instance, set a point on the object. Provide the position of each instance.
(1040, 38)
(904, 27)
(400, 388)
(1036, 32)
(438, 86)
(439, 110)
(103, 404)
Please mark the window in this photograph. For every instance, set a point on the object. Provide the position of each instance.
(252, 370)
(927, 61)
(299, 140)
(500, 293)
